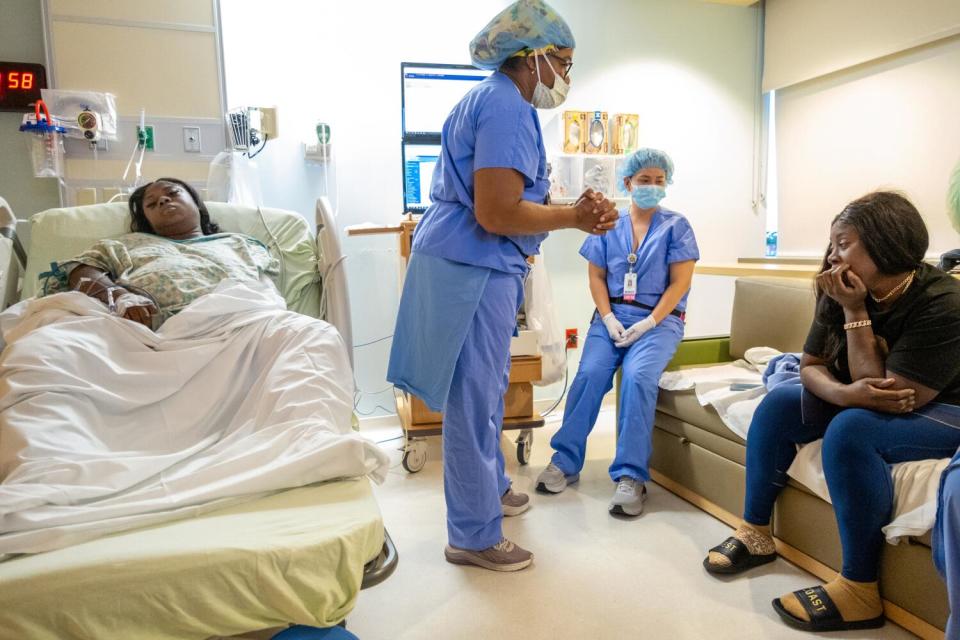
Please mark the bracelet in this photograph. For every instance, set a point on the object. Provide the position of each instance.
(857, 324)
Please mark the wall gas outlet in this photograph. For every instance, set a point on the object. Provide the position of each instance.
(572, 338)
(145, 136)
(191, 140)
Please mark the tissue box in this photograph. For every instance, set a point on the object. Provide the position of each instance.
(525, 344)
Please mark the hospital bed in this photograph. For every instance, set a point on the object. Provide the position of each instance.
(299, 556)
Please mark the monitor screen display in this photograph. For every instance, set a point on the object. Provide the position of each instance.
(419, 161)
(430, 91)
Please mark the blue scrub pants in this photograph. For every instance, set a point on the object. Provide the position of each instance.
(858, 448)
(474, 478)
(950, 515)
(643, 362)
(946, 541)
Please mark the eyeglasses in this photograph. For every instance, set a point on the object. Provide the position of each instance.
(565, 64)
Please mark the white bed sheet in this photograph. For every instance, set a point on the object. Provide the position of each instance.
(106, 425)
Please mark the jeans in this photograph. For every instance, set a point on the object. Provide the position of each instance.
(859, 446)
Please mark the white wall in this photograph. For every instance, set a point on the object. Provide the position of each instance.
(690, 69)
(887, 124)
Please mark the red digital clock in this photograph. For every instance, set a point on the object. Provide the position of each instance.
(20, 85)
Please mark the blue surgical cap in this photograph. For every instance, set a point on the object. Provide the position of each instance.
(524, 25)
(644, 159)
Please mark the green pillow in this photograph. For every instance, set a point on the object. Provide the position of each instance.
(57, 235)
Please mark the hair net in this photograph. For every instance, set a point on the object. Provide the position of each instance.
(524, 25)
(644, 159)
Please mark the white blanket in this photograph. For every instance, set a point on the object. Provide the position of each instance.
(106, 425)
(734, 389)
(915, 483)
(915, 486)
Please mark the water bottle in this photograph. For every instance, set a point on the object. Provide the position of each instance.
(771, 244)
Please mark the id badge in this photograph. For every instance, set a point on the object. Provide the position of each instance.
(629, 286)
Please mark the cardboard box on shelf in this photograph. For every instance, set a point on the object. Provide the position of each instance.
(625, 133)
(574, 131)
(598, 132)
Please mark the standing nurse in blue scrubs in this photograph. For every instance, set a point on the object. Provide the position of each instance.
(464, 281)
(639, 274)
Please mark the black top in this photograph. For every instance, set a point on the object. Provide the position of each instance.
(922, 331)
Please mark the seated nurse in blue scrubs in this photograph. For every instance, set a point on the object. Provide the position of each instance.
(640, 274)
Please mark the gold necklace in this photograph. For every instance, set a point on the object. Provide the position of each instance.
(904, 285)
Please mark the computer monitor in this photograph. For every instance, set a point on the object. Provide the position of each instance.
(430, 91)
(419, 161)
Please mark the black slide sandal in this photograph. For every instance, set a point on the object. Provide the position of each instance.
(740, 557)
(824, 615)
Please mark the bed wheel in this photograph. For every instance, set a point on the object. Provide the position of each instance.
(524, 446)
(415, 455)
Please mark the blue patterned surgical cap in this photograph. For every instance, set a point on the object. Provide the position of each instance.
(526, 25)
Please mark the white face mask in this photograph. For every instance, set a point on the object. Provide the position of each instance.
(546, 98)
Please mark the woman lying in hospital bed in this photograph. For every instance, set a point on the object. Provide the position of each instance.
(106, 424)
(174, 255)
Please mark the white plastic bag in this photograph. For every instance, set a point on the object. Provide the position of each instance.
(233, 178)
(542, 317)
(66, 105)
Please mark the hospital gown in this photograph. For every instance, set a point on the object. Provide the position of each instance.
(174, 272)
(668, 240)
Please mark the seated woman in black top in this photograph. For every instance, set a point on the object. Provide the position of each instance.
(881, 385)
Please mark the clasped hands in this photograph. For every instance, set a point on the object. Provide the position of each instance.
(623, 338)
(595, 214)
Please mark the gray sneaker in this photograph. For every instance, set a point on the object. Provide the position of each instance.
(514, 503)
(503, 556)
(553, 480)
(629, 498)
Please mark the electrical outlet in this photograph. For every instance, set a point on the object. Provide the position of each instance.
(268, 122)
(145, 136)
(191, 140)
(572, 338)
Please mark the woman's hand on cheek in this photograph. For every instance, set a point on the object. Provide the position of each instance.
(844, 286)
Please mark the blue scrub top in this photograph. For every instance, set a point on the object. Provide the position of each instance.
(491, 127)
(669, 239)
